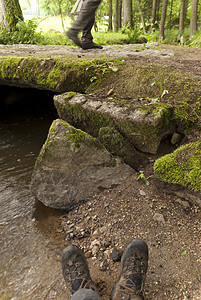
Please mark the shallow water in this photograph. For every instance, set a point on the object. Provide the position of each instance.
(29, 259)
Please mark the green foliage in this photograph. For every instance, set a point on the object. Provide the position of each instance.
(111, 38)
(143, 177)
(133, 34)
(171, 37)
(183, 252)
(195, 40)
(55, 7)
(152, 36)
(104, 66)
(25, 33)
(162, 91)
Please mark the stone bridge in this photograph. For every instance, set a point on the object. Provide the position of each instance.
(107, 94)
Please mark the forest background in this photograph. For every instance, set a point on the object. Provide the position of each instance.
(117, 22)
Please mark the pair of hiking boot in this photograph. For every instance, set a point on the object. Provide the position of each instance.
(85, 43)
(134, 264)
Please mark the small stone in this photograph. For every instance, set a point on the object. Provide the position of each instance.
(67, 238)
(71, 235)
(183, 202)
(176, 138)
(116, 255)
(159, 217)
(107, 254)
(103, 265)
(95, 250)
(95, 243)
(96, 232)
(142, 193)
(88, 254)
(106, 244)
(95, 246)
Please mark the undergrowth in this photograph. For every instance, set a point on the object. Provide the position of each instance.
(26, 33)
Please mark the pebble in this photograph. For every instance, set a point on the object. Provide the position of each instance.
(142, 193)
(116, 255)
(159, 217)
(103, 265)
(183, 202)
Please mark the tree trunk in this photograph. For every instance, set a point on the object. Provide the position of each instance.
(141, 16)
(120, 14)
(10, 13)
(181, 18)
(163, 17)
(153, 17)
(116, 11)
(193, 22)
(127, 12)
(171, 6)
(110, 16)
(117, 15)
(158, 10)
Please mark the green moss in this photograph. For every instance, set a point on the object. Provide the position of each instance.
(183, 166)
(13, 13)
(88, 120)
(48, 143)
(57, 74)
(144, 130)
(78, 137)
(146, 135)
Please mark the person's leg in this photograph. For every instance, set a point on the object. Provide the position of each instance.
(76, 274)
(86, 32)
(87, 38)
(84, 22)
(134, 264)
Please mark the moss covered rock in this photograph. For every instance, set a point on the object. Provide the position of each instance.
(56, 74)
(143, 127)
(120, 146)
(72, 166)
(182, 167)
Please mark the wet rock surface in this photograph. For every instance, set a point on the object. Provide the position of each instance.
(72, 166)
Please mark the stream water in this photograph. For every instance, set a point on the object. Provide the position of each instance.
(29, 259)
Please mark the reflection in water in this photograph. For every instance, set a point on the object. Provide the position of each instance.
(29, 261)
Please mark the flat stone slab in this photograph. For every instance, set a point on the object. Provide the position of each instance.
(54, 74)
(143, 127)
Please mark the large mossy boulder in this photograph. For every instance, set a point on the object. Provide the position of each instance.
(143, 127)
(72, 166)
(182, 167)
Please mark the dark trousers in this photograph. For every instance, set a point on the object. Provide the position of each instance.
(85, 19)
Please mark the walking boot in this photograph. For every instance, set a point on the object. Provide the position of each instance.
(87, 43)
(134, 264)
(73, 35)
(91, 45)
(75, 270)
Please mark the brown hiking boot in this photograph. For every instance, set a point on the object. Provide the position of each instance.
(134, 264)
(75, 270)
